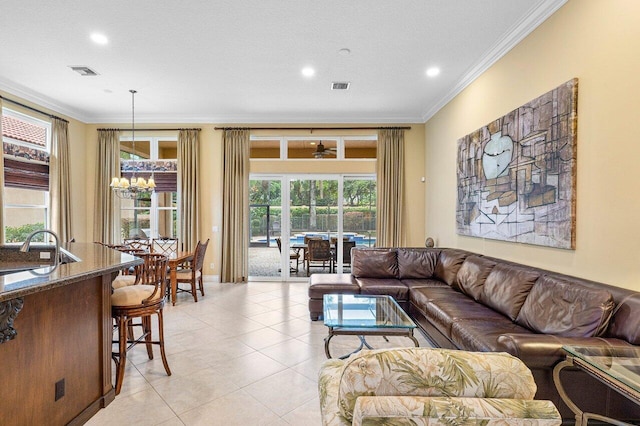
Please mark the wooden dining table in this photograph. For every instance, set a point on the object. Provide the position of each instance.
(174, 262)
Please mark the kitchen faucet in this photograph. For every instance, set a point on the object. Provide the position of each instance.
(27, 244)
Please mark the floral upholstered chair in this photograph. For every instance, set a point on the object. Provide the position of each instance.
(424, 386)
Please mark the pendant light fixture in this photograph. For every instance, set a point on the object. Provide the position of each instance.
(124, 188)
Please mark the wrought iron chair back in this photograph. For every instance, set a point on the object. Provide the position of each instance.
(166, 246)
(138, 243)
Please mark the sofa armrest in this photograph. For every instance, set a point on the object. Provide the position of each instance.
(545, 350)
(374, 410)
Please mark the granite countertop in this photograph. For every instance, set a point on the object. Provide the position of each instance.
(92, 260)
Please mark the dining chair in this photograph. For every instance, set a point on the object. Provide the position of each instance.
(141, 300)
(193, 274)
(165, 245)
(138, 243)
(292, 256)
(319, 251)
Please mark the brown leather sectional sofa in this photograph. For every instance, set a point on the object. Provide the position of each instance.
(467, 301)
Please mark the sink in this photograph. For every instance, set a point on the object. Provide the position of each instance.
(12, 260)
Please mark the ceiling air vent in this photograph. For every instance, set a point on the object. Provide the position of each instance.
(340, 85)
(83, 71)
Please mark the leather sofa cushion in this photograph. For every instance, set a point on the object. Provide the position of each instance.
(374, 263)
(558, 307)
(449, 262)
(321, 284)
(389, 286)
(417, 263)
(625, 321)
(421, 296)
(506, 288)
(483, 334)
(421, 283)
(443, 313)
(472, 275)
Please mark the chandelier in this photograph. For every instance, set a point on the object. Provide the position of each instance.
(121, 186)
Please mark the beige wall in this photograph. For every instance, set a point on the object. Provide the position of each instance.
(211, 177)
(598, 42)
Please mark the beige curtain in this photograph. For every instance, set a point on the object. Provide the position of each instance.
(188, 190)
(106, 227)
(390, 181)
(1, 179)
(235, 206)
(59, 180)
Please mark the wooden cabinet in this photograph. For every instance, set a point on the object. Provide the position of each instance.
(63, 345)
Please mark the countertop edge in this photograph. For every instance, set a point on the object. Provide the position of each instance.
(95, 261)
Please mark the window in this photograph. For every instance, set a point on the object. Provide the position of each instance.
(26, 146)
(360, 148)
(152, 216)
(313, 147)
(264, 148)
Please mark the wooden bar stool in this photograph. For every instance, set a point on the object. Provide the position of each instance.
(141, 300)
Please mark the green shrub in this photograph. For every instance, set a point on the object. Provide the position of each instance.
(18, 234)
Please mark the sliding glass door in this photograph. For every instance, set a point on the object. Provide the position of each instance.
(336, 211)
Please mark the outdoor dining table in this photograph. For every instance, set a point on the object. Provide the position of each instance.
(174, 262)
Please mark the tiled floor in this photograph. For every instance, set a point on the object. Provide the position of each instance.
(245, 354)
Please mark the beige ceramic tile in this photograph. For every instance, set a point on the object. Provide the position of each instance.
(236, 408)
(283, 391)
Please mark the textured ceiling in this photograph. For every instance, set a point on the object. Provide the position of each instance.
(240, 61)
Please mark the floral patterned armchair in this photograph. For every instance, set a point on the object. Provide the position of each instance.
(424, 386)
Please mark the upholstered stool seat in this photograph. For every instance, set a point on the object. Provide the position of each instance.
(123, 281)
(134, 295)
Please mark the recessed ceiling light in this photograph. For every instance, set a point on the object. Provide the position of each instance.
(99, 38)
(308, 72)
(433, 71)
(344, 52)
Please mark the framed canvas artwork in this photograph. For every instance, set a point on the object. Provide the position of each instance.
(517, 175)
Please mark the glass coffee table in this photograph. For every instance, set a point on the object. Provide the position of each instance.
(360, 315)
(616, 367)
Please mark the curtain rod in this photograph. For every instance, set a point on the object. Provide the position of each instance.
(152, 130)
(33, 109)
(311, 129)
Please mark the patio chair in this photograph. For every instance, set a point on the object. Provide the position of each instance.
(319, 251)
(346, 253)
(292, 256)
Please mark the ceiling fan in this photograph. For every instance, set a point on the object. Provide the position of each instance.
(322, 152)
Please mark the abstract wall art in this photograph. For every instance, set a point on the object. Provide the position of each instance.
(517, 175)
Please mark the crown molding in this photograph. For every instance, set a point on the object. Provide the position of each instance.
(521, 29)
(28, 95)
(266, 119)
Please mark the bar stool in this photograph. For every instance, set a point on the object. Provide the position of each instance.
(141, 300)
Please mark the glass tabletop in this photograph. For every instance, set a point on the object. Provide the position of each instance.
(619, 363)
(359, 311)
